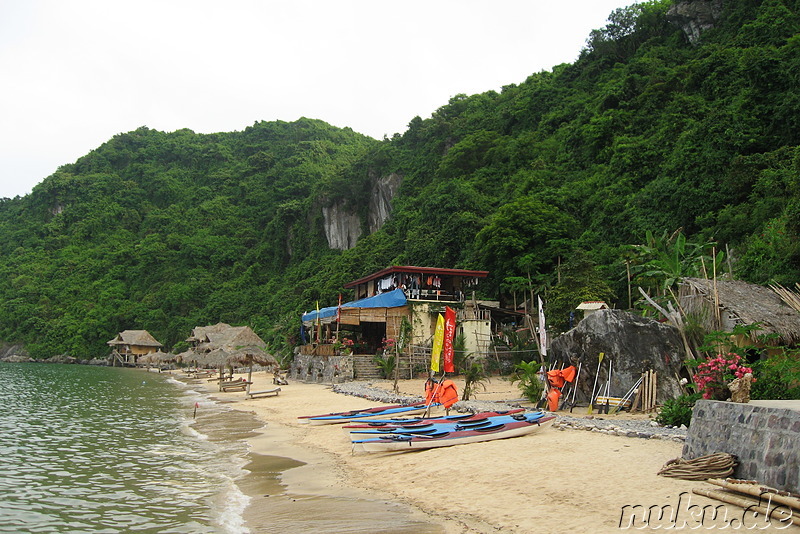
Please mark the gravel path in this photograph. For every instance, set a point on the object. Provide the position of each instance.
(632, 428)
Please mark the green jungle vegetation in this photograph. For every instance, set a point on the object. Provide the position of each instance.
(648, 155)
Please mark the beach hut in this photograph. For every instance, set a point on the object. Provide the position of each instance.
(591, 306)
(129, 345)
(722, 304)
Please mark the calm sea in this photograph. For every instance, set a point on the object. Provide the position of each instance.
(99, 449)
(87, 449)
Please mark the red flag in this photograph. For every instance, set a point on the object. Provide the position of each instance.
(449, 334)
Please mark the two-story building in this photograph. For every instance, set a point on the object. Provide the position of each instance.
(384, 298)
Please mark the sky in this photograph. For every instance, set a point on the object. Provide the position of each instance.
(74, 73)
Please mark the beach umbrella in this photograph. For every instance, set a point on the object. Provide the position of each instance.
(250, 356)
(157, 358)
(187, 357)
(212, 359)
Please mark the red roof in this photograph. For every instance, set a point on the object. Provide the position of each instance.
(417, 270)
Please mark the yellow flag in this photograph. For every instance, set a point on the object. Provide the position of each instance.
(438, 341)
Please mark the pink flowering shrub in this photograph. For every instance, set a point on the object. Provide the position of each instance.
(712, 376)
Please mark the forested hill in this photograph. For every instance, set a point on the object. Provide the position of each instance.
(547, 184)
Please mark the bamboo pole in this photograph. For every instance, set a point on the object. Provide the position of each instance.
(628, 269)
(757, 491)
(716, 293)
(655, 391)
(748, 504)
(635, 404)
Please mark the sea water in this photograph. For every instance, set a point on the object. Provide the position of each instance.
(101, 449)
(86, 449)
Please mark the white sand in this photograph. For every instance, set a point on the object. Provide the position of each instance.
(551, 481)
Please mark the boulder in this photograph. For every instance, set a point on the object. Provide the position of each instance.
(632, 344)
(61, 358)
(10, 352)
(16, 358)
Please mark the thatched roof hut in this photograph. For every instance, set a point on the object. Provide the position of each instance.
(134, 338)
(199, 333)
(740, 303)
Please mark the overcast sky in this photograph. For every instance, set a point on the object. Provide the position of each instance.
(74, 73)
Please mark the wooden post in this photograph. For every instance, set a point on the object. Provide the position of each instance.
(636, 398)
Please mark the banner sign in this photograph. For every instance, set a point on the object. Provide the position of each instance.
(438, 338)
(449, 334)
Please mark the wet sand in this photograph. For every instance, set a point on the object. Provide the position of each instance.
(552, 481)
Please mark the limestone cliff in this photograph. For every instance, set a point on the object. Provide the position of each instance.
(342, 229)
(384, 190)
(343, 226)
(695, 16)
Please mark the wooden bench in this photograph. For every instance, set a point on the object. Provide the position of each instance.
(266, 393)
(236, 385)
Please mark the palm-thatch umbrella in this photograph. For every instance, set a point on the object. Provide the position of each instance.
(249, 356)
(186, 357)
(213, 359)
(157, 359)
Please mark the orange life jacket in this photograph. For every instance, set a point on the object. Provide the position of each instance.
(445, 393)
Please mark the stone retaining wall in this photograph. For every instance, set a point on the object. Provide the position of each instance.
(326, 369)
(765, 435)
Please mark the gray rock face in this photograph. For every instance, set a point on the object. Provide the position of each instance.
(13, 353)
(343, 228)
(632, 343)
(695, 16)
(380, 201)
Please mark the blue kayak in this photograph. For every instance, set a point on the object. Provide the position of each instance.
(436, 428)
(366, 414)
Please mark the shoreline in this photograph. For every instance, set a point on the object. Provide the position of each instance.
(557, 480)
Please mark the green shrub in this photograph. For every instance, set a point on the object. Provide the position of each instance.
(777, 377)
(677, 412)
(386, 365)
(526, 373)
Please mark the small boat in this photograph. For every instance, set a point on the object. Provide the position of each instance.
(366, 413)
(438, 426)
(389, 423)
(446, 438)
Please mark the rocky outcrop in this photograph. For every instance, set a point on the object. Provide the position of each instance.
(13, 353)
(384, 190)
(631, 343)
(343, 227)
(695, 16)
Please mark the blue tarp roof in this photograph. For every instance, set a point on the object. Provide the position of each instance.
(391, 299)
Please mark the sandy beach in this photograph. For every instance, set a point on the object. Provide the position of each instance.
(551, 481)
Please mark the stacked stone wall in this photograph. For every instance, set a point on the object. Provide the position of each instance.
(327, 369)
(764, 435)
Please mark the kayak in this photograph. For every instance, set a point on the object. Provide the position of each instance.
(411, 421)
(446, 438)
(432, 428)
(366, 413)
